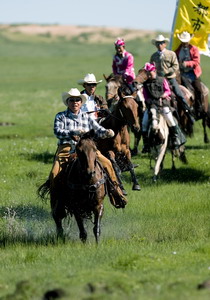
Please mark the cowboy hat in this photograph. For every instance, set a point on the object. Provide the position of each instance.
(89, 78)
(73, 93)
(185, 36)
(160, 38)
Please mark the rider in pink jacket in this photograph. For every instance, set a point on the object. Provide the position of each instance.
(123, 63)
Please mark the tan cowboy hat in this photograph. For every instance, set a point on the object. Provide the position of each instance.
(73, 93)
(185, 36)
(160, 38)
(89, 78)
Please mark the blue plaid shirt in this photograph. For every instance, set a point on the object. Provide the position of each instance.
(67, 124)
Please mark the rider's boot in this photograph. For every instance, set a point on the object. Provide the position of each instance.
(173, 131)
(115, 194)
(146, 146)
(187, 111)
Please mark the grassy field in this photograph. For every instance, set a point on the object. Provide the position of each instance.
(157, 248)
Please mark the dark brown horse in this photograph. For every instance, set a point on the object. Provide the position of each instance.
(201, 111)
(80, 190)
(124, 113)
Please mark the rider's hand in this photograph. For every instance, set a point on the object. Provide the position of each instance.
(79, 132)
(162, 73)
(109, 133)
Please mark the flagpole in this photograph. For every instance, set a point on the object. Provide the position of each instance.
(173, 24)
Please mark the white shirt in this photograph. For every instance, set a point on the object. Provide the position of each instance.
(90, 105)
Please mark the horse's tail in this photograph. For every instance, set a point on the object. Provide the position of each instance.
(44, 190)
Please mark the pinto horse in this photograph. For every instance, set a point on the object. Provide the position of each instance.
(158, 134)
(176, 106)
(80, 190)
(124, 113)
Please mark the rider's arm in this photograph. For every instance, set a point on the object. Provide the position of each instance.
(195, 58)
(99, 130)
(166, 88)
(114, 66)
(174, 67)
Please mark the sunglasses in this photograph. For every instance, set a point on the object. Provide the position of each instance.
(91, 84)
(74, 99)
(160, 43)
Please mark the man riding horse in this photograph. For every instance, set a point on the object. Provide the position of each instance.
(167, 66)
(96, 105)
(68, 126)
(190, 70)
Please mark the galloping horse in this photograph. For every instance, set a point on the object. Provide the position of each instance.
(202, 113)
(184, 122)
(124, 113)
(80, 190)
(159, 135)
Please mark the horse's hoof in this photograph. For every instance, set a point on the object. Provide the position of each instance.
(134, 152)
(136, 187)
(124, 192)
(154, 178)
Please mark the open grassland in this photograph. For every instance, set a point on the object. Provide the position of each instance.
(157, 248)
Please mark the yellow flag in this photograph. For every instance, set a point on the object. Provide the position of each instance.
(192, 16)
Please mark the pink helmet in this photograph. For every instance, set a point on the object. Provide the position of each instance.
(149, 67)
(119, 42)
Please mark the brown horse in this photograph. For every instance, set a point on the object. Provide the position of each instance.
(201, 111)
(80, 190)
(124, 113)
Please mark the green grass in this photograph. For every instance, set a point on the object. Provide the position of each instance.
(157, 248)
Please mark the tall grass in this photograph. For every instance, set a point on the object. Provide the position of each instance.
(157, 248)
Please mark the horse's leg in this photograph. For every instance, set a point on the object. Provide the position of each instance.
(97, 221)
(173, 167)
(58, 211)
(137, 138)
(204, 123)
(160, 159)
(80, 224)
(59, 228)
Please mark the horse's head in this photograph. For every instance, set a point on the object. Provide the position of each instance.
(142, 76)
(86, 151)
(112, 86)
(128, 110)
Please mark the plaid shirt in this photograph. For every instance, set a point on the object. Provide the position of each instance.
(67, 124)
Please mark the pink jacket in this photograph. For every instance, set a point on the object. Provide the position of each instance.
(124, 66)
(195, 59)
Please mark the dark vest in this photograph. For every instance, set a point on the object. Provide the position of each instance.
(155, 87)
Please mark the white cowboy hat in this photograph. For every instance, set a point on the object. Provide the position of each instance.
(160, 38)
(89, 78)
(185, 36)
(73, 93)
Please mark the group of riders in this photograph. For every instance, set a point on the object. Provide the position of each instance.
(85, 108)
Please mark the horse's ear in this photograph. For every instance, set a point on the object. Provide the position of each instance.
(106, 78)
(92, 133)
